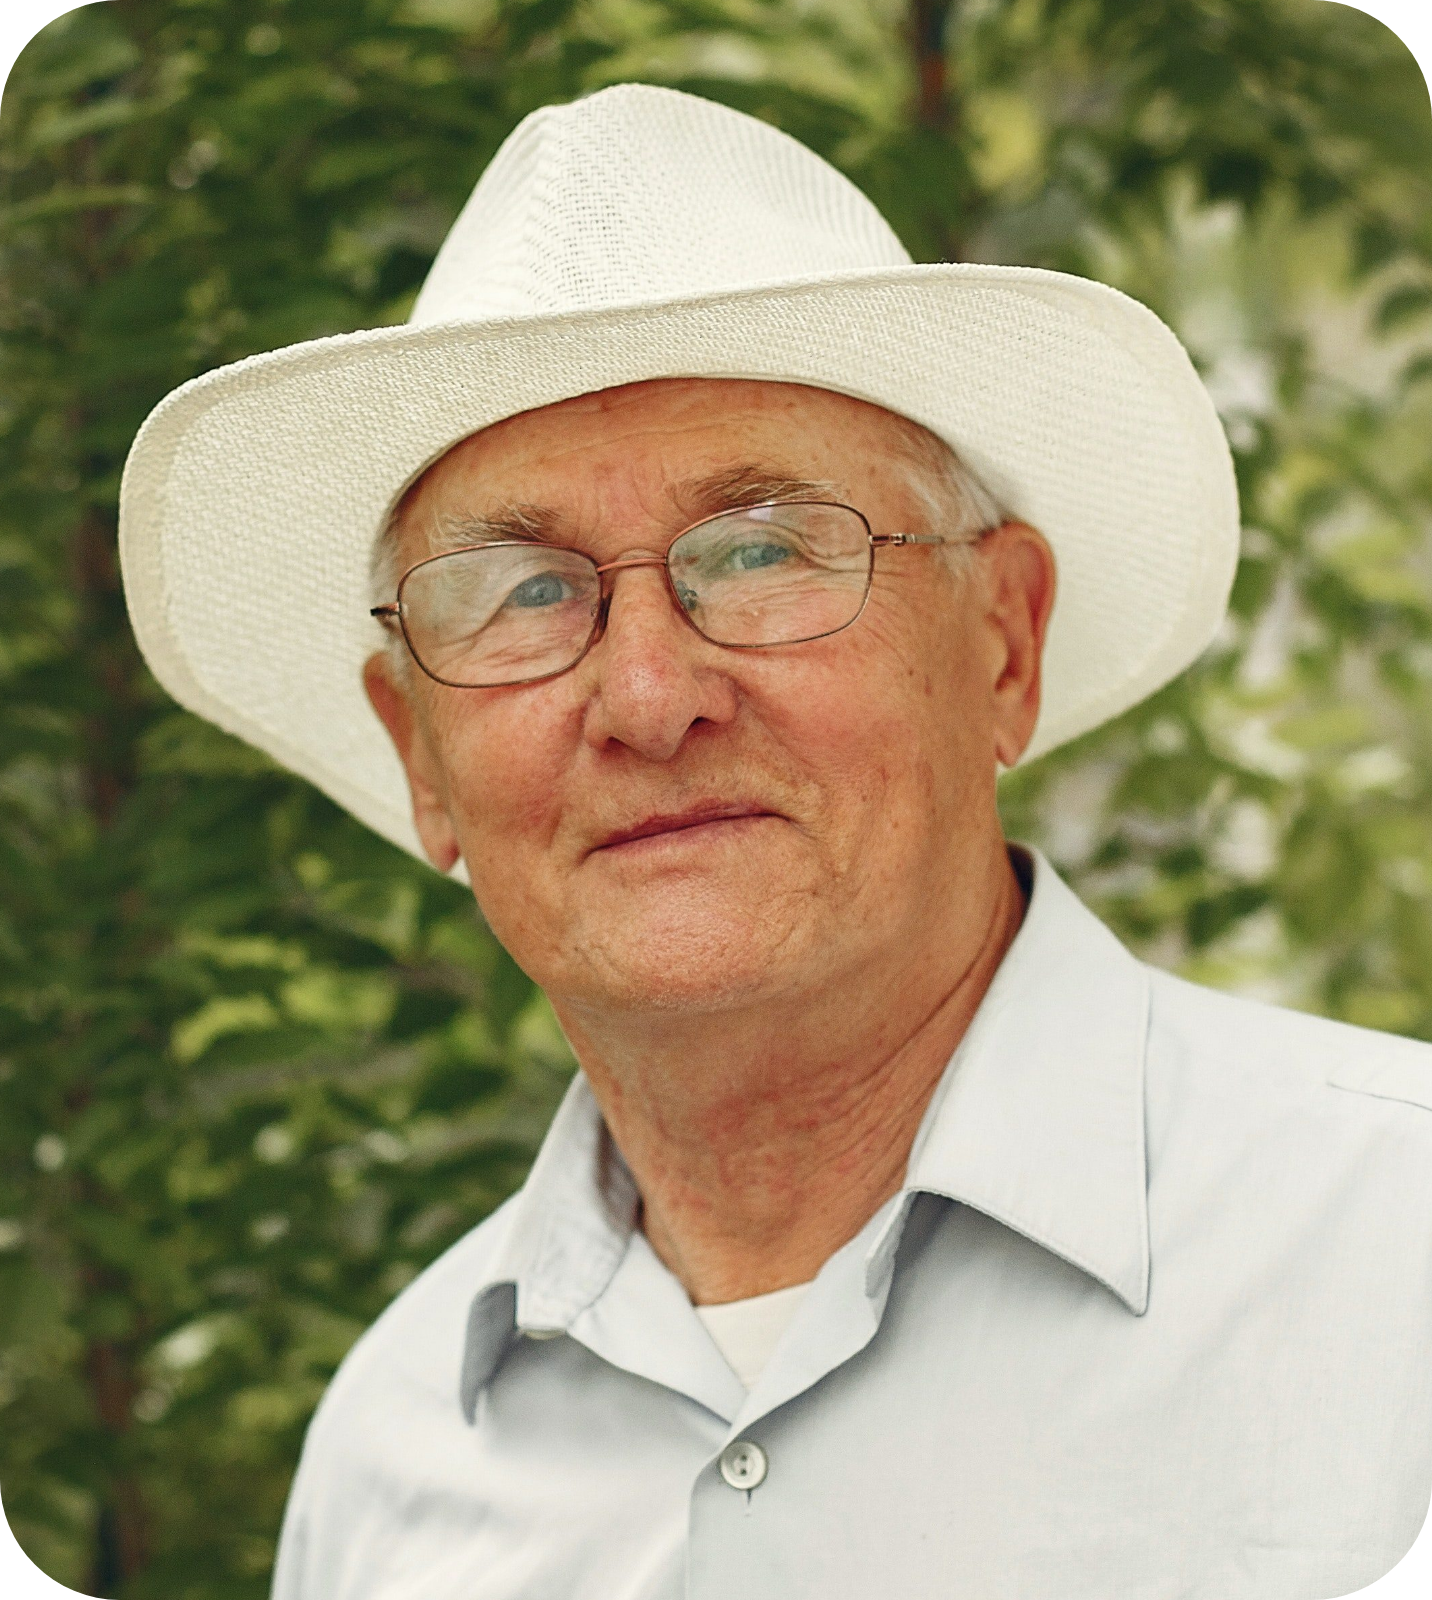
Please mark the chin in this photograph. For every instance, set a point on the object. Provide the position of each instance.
(694, 994)
(708, 966)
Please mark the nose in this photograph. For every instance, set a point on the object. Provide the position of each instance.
(651, 677)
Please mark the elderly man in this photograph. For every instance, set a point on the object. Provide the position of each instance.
(901, 1234)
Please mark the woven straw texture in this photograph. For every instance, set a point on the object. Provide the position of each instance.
(642, 233)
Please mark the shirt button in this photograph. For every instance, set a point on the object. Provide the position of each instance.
(743, 1464)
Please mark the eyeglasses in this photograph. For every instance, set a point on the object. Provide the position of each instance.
(516, 611)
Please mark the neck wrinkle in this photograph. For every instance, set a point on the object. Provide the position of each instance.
(761, 1185)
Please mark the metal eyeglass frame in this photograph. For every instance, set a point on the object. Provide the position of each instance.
(393, 610)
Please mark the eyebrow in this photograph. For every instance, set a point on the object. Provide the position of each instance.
(749, 484)
(727, 489)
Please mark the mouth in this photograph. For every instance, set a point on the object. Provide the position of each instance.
(696, 817)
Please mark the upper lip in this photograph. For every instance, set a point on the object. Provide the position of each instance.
(671, 821)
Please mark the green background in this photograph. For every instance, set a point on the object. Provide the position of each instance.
(257, 1068)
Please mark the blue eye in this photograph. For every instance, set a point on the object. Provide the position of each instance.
(750, 557)
(545, 589)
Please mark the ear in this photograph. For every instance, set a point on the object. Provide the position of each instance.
(406, 729)
(1019, 579)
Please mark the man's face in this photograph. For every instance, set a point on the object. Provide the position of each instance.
(863, 763)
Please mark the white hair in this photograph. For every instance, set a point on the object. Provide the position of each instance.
(953, 499)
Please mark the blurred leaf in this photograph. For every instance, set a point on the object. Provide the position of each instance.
(1410, 303)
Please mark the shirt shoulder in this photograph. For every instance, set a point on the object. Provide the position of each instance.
(396, 1391)
(1294, 1142)
(1237, 1037)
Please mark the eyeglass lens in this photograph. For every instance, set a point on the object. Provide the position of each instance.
(766, 575)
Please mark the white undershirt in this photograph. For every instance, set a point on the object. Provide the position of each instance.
(746, 1331)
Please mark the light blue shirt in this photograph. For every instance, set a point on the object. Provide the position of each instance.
(1150, 1319)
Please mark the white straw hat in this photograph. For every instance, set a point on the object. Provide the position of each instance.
(642, 233)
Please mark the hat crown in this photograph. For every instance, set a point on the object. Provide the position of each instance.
(638, 193)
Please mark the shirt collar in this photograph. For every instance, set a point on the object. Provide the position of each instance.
(566, 1232)
(1038, 1121)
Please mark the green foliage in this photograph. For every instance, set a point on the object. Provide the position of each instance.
(256, 1069)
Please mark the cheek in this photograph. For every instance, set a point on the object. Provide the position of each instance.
(504, 755)
(869, 722)
(923, 707)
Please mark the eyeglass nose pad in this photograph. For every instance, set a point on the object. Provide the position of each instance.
(606, 575)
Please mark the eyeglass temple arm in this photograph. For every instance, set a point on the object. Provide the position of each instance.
(878, 541)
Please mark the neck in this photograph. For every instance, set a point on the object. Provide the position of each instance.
(761, 1141)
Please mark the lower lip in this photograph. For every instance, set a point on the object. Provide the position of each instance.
(696, 833)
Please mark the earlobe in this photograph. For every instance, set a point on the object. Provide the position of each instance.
(442, 852)
(396, 713)
(1007, 752)
(1010, 741)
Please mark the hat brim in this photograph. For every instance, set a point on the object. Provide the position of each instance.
(252, 494)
